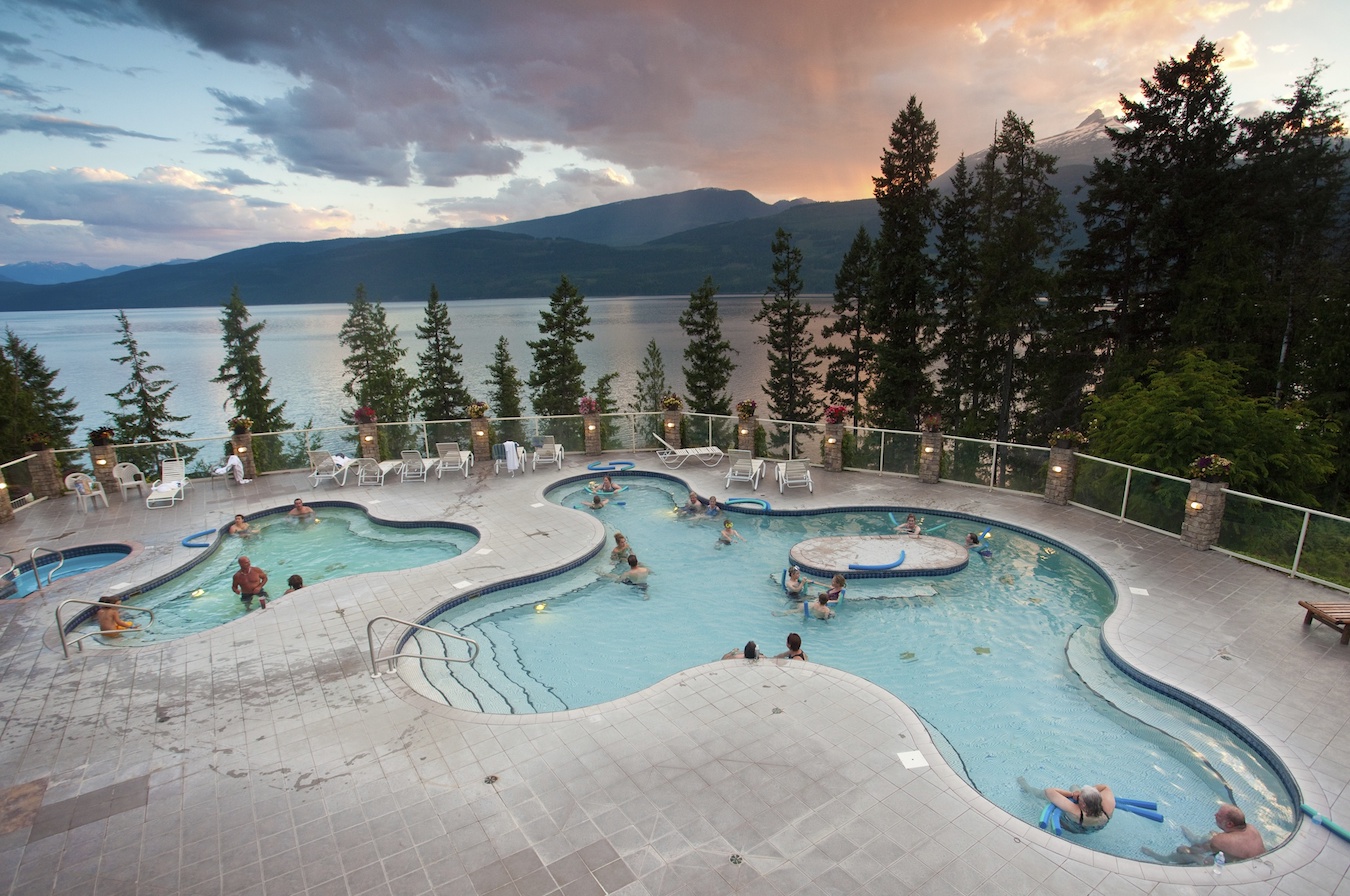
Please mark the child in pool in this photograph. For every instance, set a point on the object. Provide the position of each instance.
(728, 533)
(821, 609)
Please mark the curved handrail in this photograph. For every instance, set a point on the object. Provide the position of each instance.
(61, 626)
(32, 561)
(389, 660)
(12, 565)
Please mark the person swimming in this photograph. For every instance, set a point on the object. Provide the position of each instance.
(728, 532)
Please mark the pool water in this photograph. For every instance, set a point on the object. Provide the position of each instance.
(21, 577)
(339, 542)
(1002, 660)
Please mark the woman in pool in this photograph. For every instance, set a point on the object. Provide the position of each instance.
(837, 585)
(1085, 810)
(909, 527)
(607, 486)
(621, 548)
(794, 584)
(973, 543)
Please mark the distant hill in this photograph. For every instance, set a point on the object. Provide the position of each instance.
(46, 273)
(663, 245)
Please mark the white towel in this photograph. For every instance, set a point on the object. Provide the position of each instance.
(512, 456)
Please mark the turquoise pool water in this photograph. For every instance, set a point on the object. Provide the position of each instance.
(19, 582)
(341, 541)
(1002, 660)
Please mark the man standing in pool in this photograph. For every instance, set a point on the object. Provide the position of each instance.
(249, 583)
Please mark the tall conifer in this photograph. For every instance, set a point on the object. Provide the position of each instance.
(441, 394)
(556, 381)
(707, 358)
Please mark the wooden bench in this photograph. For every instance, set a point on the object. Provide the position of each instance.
(1336, 615)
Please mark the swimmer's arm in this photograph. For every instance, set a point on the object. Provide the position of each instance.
(1062, 799)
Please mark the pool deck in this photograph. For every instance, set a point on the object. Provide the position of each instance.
(263, 758)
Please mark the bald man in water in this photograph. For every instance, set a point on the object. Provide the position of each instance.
(249, 583)
(1235, 839)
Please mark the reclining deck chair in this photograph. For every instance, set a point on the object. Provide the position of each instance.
(414, 467)
(169, 489)
(794, 474)
(509, 455)
(546, 451)
(674, 457)
(745, 467)
(450, 457)
(370, 471)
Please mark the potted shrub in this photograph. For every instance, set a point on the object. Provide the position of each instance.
(1067, 438)
(588, 406)
(241, 425)
(672, 402)
(101, 436)
(1210, 468)
(364, 414)
(37, 441)
(746, 409)
(835, 413)
(477, 410)
(931, 423)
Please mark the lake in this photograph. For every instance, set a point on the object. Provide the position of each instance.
(301, 352)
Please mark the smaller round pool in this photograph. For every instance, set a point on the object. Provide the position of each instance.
(20, 581)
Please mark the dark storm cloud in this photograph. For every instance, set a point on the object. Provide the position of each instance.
(51, 126)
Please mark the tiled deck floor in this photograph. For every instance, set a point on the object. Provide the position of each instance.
(262, 757)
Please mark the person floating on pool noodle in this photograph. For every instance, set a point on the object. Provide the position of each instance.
(597, 503)
(821, 609)
(1085, 810)
(621, 548)
(728, 532)
(606, 486)
(795, 583)
(909, 527)
(837, 586)
(973, 543)
(1235, 838)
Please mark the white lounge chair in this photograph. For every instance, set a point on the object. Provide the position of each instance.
(129, 476)
(370, 471)
(87, 489)
(674, 457)
(794, 474)
(334, 467)
(450, 457)
(745, 467)
(414, 466)
(546, 451)
(509, 455)
(171, 486)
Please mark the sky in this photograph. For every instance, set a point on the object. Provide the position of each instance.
(141, 131)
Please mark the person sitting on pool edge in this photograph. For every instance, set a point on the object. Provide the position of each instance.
(110, 621)
(1085, 810)
(794, 648)
(750, 652)
(1235, 839)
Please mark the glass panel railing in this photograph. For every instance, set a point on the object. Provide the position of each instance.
(1100, 485)
(901, 453)
(1326, 550)
(1260, 530)
(1022, 468)
(862, 449)
(1157, 501)
(967, 460)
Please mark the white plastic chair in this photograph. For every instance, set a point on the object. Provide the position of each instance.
(87, 489)
(129, 476)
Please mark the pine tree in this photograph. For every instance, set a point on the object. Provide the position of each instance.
(793, 384)
(707, 358)
(30, 402)
(143, 403)
(957, 275)
(903, 307)
(246, 385)
(504, 391)
(651, 382)
(846, 373)
(556, 382)
(376, 378)
(441, 394)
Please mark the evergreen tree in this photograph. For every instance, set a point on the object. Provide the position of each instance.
(143, 403)
(441, 394)
(903, 303)
(603, 392)
(962, 334)
(504, 391)
(793, 383)
(707, 359)
(376, 378)
(651, 382)
(1022, 226)
(846, 373)
(246, 385)
(556, 383)
(30, 402)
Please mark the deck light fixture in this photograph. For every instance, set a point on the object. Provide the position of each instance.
(1057, 468)
(1196, 505)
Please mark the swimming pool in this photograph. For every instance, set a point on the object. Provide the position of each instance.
(340, 541)
(1002, 660)
(18, 582)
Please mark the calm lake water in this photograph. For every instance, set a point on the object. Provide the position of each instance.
(300, 350)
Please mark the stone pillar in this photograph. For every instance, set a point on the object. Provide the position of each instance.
(670, 428)
(46, 480)
(482, 450)
(745, 433)
(833, 454)
(103, 458)
(930, 456)
(1204, 514)
(368, 437)
(243, 449)
(6, 508)
(1059, 478)
(591, 422)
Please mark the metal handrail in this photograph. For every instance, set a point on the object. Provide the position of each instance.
(32, 562)
(12, 565)
(61, 628)
(389, 660)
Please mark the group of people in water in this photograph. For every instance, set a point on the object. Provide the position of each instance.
(751, 651)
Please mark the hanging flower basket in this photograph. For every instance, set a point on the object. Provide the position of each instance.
(477, 410)
(835, 413)
(1067, 438)
(102, 436)
(588, 406)
(746, 409)
(672, 402)
(241, 425)
(364, 414)
(1210, 468)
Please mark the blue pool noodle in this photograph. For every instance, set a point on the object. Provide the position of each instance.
(879, 565)
(1142, 804)
(1325, 822)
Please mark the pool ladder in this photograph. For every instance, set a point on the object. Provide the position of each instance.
(61, 626)
(389, 660)
(33, 567)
